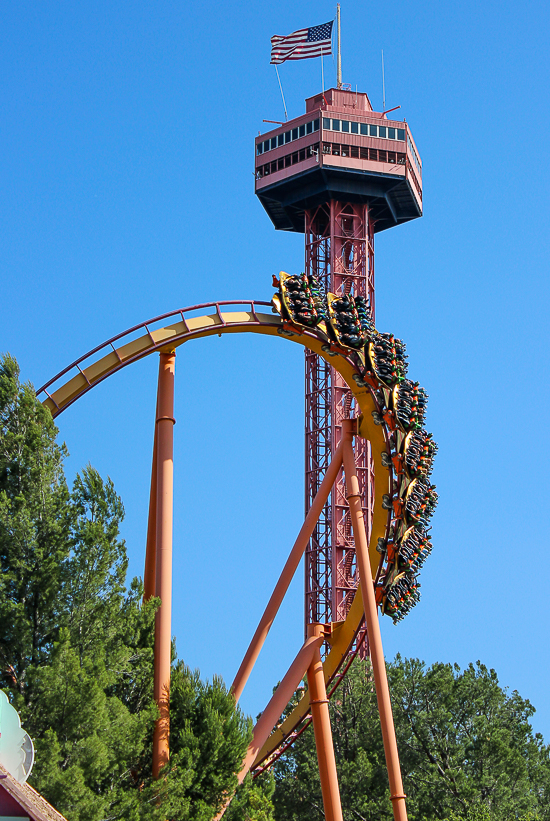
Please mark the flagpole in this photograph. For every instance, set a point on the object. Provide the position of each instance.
(383, 84)
(322, 75)
(339, 57)
(282, 95)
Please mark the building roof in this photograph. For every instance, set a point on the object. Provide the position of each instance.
(35, 805)
(340, 150)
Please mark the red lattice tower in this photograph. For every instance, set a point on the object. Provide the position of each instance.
(339, 239)
(338, 173)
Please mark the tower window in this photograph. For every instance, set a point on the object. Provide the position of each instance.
(336, 149)
(259, 148)
(354, 150)
(296, 157)
(364, 153)
(382, 156)
(346, 126)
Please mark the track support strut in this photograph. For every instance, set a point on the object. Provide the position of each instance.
(349, 429)
(158, 563)
(323, 733)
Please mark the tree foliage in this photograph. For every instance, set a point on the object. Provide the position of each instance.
(253, 800)
(76, 646)
(76, 659)
(467, 743)
(466, 746)
(34, 528)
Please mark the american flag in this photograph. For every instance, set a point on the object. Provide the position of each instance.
(313, 42)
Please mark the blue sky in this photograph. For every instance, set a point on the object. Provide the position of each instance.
(126, 153)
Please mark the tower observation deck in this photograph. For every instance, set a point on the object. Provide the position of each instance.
(339, 173)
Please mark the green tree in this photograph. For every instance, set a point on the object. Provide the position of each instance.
(467, 743)
(253, 801)
(34, 528)
(76, 655)
(76, 646)
(466, 746)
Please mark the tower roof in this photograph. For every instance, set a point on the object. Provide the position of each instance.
(343, 150)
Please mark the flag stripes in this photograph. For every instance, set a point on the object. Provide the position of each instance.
(301, 44)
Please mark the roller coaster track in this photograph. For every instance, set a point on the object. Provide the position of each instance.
(246, 316)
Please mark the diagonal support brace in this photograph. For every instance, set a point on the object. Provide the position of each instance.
(349, 429)
(286, 576)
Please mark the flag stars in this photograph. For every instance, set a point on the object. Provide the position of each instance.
(301, 44)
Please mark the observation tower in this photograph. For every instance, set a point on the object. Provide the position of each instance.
(339, 174)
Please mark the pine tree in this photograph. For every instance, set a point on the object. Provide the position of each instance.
(468, 746)
(252, 801)
(467, 749)
(76, 646)
(34, 529)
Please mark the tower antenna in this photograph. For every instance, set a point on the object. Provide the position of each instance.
(383, 84)
(339, 54)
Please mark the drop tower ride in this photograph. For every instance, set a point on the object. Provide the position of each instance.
(339, 174)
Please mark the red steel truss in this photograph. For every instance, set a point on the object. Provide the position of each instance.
(339, 240)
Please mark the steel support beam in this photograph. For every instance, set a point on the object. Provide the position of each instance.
(286, 576)
(323, 733)
(163, 565)
(279, 701)
(151, 548)
(397, 795)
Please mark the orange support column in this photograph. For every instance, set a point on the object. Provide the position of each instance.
(373, 627)
(163, 571)
(286, 576)
(323, 732)
(150, 550)
(275, 708)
